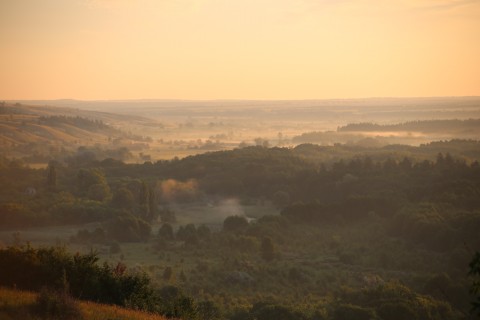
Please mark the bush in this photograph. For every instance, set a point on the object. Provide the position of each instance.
(397, 311)
(128, 228)
(235, 224)
(352, 312)
(166, 232)
(267, 311)
(31, 269)
(56, 305)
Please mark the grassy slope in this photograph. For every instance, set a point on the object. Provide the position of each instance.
(18, 125)
(18, 131)
(16, 304)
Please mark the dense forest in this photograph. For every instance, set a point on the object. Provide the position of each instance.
(355, 233)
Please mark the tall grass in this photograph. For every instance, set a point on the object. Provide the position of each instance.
(16, 304)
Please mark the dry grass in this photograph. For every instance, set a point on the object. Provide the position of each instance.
(94, 311)
(16, 304)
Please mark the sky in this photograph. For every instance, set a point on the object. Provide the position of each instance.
(238, 49)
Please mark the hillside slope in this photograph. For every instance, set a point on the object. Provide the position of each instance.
(16, 304)
(38, 133)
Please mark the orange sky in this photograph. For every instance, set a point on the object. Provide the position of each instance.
(238, 49)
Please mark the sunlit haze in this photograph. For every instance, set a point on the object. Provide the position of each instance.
(248, 49)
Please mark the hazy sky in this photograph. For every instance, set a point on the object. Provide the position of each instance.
(238, 49)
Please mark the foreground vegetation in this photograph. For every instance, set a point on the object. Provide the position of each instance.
(359, 233)
(26, 305)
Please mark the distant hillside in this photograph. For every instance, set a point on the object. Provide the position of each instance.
(61, 129)
(48, 110)
(46, 132)
(427, 126)
(16, 304)
(409, 133)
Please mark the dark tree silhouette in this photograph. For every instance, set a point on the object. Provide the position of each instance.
(51, 176)
(267, 250)
(475, 288)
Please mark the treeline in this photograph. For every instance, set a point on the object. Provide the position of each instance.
(86, 191)
(91, 125)
(426, 126)
(83, 123)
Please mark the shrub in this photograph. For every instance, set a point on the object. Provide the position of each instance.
(56, 305)
(352, 312)
(235, 224)
(31, 269)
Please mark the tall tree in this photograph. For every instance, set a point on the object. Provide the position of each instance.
(475, 288)
(51, 176)
(267, 249)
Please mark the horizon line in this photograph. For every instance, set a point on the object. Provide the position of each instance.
(246, 99)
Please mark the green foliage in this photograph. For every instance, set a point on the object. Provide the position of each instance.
(204, 233)
(56, 305)
(166, 232)
(187, 233)
(207, 310)
(32, 269)
(267, 249)
(475, 288)
(414, 126)
(350, 216)
(51, 176)
(235, 224)
(267, 311)
(352, 312)
(128, 228)
(123, 199)
(78, 211)
(397, 311)
(391, 301)
(98, 192)
(167, 273)
(174, 304)
(86, 178)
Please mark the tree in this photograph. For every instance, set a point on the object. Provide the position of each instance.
(267, 249)
(207, 310)
(182, 277)
(51, 176)
(281, 199)
(123, 198)
(203, 232)
(475, 288)
(98, 192)
(267, 311)
(186, 232)
(166, 232)
(235, 224)
(167, 273)
(143, 194)
(152, 205)
(89, 177)
(352, 312)
(128, 228)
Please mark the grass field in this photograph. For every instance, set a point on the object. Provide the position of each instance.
(16, 304)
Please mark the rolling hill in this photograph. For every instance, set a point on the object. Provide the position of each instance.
(48, 131)
(17, 304)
